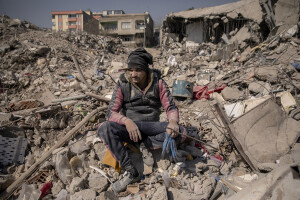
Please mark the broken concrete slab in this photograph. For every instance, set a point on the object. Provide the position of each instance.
(160, 194)
(230, 93)
(107, 195)
(97, 182)
(267, 73)
(265, 133)
(259, 87)
(47, 97)
(286, 14)
(77, 184)
(242, 35)
(86, 194)
(281, 183)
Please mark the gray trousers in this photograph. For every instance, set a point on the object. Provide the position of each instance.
(153, 135)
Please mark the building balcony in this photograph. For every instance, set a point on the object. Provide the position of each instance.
(139, 30)
(72, 26)
(110, 31)
(73, 19)
(141, 27)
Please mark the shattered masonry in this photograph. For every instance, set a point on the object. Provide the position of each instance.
(241, 62)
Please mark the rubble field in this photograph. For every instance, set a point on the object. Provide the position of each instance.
(242, 111)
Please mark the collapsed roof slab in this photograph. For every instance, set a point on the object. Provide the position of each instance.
(249, 9)
(286, 14)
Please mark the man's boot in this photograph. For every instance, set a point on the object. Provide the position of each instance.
(131, 176)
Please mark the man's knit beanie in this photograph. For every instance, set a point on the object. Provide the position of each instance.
(140, 58)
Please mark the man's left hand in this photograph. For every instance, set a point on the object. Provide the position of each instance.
(172, 129)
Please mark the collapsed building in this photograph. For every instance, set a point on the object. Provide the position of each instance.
(251, 20)
(242, 107)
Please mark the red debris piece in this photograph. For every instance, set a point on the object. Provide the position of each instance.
(203, 92)
(45, 189)
(219, 157)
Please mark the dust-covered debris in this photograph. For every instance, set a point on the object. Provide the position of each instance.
(43, 96)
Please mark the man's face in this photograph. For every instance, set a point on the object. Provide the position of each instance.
(137, 76)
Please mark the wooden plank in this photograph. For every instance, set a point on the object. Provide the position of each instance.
(47, 155)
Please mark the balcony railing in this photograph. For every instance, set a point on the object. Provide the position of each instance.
(73, 19)
(139, 26)
(72, 26)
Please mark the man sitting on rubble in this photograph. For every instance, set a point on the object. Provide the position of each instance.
(139, 95)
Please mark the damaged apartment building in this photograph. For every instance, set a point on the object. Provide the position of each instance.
(132, 29)
(74, 21)
(250, 21)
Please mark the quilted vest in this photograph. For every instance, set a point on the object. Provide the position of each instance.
(138, 106)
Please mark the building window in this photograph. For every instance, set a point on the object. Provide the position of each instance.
(109, 12)
(72, 23)
(118, 12)
(79, 16)
(139, 35)
(60, 30)
(71, 15)
(79, 22)
(53, 16)
(59, 23)
(126, 38)
(125, 25)
(139, 24)
(60, 16)
(109, 26)
(53, 23)
(72, 29)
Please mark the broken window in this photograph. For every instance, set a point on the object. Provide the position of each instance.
(139, 35)
(127, 38)
(125, 25)
(139, 24)
(118, 12)
(72, 23)
(71, 15)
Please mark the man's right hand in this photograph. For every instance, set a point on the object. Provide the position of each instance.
(133, 130)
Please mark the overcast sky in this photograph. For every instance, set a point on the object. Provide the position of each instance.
(38, 11)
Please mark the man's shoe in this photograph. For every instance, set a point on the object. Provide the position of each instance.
(121, 185)
(146, 155)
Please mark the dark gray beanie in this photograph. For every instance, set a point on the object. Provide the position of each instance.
(140, 58)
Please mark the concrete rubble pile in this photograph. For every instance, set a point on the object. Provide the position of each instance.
(242, 109)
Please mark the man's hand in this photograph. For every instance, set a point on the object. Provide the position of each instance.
(133, 130)
(172, 128)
